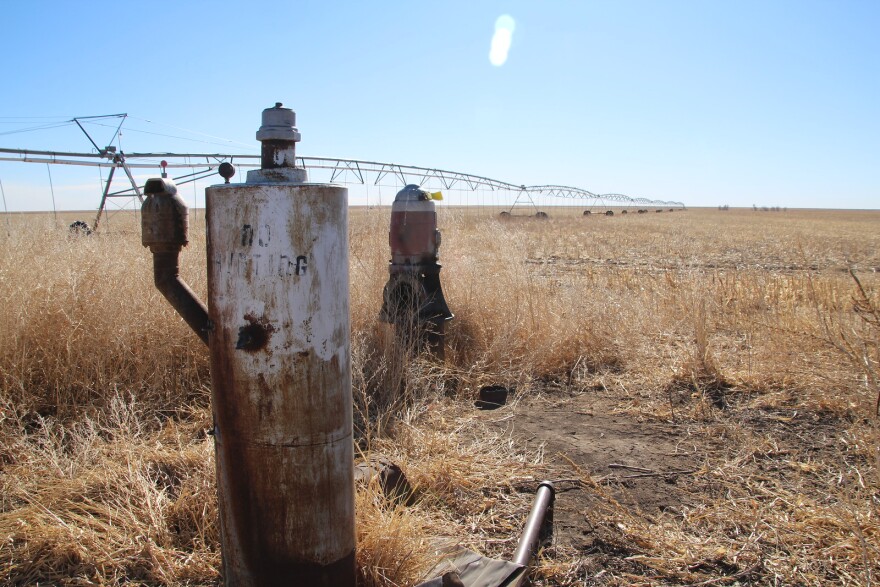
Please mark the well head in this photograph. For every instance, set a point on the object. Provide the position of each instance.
(279, 124)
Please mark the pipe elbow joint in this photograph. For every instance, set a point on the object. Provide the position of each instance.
(166, 277)
(164, 228)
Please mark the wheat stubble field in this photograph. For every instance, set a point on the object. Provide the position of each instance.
(701, 385)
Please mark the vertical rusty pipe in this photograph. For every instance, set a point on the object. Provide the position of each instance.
(278, 296)
(164, 225)
(275, 154)
(528, 542)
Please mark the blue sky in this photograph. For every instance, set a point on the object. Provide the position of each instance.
(739, 103)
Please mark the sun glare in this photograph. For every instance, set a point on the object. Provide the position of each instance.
(504, 28)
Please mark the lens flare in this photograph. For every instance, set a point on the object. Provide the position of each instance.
(504, 27)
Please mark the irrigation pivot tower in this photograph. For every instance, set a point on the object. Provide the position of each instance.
(350, 171)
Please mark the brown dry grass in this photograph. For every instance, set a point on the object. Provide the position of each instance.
(743, 326)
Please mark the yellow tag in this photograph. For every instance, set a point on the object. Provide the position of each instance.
(437, 195)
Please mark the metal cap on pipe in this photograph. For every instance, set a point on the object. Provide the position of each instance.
(164, 217)
(412, 193)
(278, 137)
(279, 124)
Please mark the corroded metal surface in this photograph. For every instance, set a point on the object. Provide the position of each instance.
(413, 235)
(166, 276)
(164, 217)
(413, 298)
(280, 366)
(164, 225)
(278, 136)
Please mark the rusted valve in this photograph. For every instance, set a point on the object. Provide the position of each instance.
(413, 298)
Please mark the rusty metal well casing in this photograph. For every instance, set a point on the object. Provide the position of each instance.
(281, 378)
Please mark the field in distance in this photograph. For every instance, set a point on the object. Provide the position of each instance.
(702, 385)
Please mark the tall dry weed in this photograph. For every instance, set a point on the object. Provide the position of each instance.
(107, 475)
(80, 321)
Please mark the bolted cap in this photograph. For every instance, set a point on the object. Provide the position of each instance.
(412, 193)
(279, 124)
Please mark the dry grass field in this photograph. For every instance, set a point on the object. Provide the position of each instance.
(726, 363)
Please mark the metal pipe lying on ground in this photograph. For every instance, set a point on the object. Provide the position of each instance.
(469, 569)
(528, 542)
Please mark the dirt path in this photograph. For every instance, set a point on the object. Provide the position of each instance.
(625, 455)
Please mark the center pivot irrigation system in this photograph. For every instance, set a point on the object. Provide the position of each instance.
(348, 171)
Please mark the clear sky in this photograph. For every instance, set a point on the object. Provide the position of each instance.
(766, 102)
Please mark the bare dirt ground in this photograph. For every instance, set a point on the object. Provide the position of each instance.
(643, 463)
(597, 452)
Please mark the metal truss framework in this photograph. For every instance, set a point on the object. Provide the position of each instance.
(352, 171)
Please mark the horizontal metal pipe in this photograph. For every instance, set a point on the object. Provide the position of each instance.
(166, 274)
(109, 164)
(52, 153)
(528, 542)
(363, 166)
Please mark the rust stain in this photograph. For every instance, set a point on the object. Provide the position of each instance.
(255, 335)
(286, 513)
(261, 484)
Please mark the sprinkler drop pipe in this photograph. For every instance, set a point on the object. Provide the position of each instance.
(164, 226)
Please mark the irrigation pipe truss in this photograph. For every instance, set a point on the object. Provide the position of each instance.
(342, 170)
